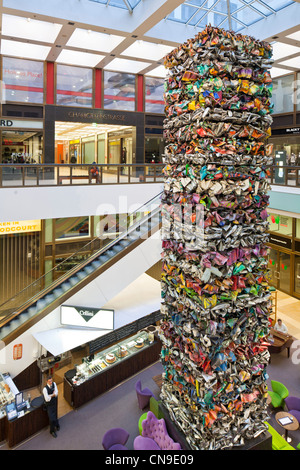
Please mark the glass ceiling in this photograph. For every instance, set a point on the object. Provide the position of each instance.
(228, 14)
(232, 14)
(125, 4)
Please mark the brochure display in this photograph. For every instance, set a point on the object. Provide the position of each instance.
(215, 296)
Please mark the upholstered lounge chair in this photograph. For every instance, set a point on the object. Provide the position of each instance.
(115, 439)
(278, 442)
(293, 406)
(143, 396)
(154, 435)
(278, 394)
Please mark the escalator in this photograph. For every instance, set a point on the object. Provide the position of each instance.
(45, 294)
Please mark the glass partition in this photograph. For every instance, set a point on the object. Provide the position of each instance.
(119, 91)
(22, 146)
(281, 224)
(154, 95)
(74, 86)
(282, 96)
(23, 80)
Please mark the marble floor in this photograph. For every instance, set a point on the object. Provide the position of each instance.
(288, 309)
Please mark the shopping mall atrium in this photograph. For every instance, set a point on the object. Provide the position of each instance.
(150, 225)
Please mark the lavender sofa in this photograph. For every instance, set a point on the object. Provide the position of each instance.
(293, 406)
(154, 435)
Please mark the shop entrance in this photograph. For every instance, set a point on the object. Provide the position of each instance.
(81, 143)
(280, 270)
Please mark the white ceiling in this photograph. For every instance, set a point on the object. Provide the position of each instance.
(133, 36)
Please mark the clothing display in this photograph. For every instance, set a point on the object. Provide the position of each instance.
(215, 296)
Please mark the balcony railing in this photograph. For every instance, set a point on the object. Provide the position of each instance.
(32, 175)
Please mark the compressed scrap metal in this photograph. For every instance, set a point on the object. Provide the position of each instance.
(215, 297)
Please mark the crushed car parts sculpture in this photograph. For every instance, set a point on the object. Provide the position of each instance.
(215, 297)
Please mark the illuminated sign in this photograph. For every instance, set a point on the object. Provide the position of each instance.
(23, 226)
(87, 317)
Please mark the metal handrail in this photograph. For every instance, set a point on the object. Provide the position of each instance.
(54, 174)
(56, 283)
(68, 174)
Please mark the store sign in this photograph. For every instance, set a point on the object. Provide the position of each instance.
(23, 226)
(280, 241)
(21, 124)
(17, 351)
(87, 317)
(97, 116)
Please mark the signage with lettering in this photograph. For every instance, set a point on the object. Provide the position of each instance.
(21, 123)
(87, 317)
(280, 241)
(23, 226)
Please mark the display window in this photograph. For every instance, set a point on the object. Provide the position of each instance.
(289, 146)
(154, 95)
(119, 91)
(23, 80)
(283, 94)
(298, 228)
(22, 146)
(72, 227)
(74, 86)
(154, 149)
(281, 224)
(297, 275)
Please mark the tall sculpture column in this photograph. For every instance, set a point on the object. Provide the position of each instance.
(215, 296)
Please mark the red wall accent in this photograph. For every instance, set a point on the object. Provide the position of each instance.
(50, 83)
(98, 88)
(140, 93)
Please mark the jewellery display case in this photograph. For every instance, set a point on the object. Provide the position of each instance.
(6, 395)
(101, 371)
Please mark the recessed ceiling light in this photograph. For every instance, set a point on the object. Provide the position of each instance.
(147, 50)
(159, 72)
(295, 36)
(79, 58)
(27, 28)
(277, 72)
(94, 41)
(281, 50)
(24, 50)
(127, 66)
(295, 62)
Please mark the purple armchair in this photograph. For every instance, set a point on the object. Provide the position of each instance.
(154, 435)
(115, 439)
(293, 406)
(143, 396)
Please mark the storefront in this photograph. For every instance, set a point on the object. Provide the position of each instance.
(21, 140)
(77, 136)
(284, 254)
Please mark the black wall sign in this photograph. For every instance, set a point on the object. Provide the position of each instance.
(124, 331)
(286, 131)
(280, 241)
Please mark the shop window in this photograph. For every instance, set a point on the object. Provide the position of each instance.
(22, 147)
(88, 150)
(23, 80)
(154, 95)
(297, 274)
(298, 228)
(283, 94)
(154, 148)
(74, 86)
(298, 93)
(290, 147)
(72, 227)
(281, 224)
(119, 91)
